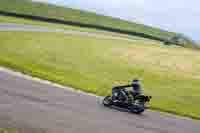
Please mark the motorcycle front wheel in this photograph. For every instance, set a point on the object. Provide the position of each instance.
(107, 101)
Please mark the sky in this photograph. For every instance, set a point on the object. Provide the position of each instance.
(182, 16)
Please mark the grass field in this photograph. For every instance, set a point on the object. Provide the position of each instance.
(7, 130)
(52, 11)
(169, 74)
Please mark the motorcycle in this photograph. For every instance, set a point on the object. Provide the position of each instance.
(136, 104)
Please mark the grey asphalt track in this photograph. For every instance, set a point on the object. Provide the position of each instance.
(32, 28)
(35, 106)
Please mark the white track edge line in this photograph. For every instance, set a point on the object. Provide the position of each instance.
(42, 81)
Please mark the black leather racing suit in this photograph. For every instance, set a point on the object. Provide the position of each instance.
(121, 93)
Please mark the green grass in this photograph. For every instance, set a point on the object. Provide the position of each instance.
(169, 74)
(52, 11)
(7, 130)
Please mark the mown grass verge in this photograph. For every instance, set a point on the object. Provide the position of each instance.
(3, 130)
(169, 74)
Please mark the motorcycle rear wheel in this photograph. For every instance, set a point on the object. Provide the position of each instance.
(136, 110)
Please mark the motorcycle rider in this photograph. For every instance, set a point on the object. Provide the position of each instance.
(137, 87)
(122, 94)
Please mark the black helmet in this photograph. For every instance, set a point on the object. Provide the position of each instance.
(136, 81)
(136, 86)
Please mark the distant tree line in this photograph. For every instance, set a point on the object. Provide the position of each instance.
(181, 40)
